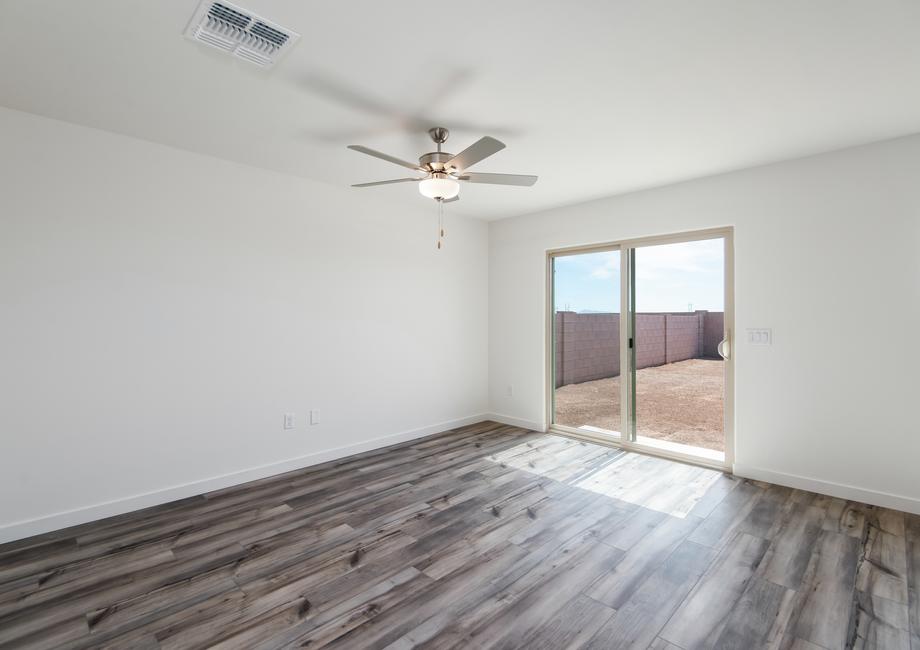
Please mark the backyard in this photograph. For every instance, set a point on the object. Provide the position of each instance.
(678, 402)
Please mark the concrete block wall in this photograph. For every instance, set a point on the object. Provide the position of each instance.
(651, 342)
(588, 345)
(713, 332)
(684, 333)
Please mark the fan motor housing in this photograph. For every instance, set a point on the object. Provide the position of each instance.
(435, 160)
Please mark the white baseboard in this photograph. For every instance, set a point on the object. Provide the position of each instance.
(48, 523)
(840, 490)
(517, 422)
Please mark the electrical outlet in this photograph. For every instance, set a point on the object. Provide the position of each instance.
(314, 416)
(288, 420)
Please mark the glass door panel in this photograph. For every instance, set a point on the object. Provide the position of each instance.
(676, 318)
(586, 341)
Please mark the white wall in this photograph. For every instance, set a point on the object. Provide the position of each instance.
(161, 310)
(826, 253)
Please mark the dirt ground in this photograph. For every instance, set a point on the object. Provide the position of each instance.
(680, 402)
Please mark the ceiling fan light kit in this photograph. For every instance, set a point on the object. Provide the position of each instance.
(439, 186)
(445, 171)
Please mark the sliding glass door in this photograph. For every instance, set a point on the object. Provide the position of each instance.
(677, 300)
(586, 341)
(653, 375)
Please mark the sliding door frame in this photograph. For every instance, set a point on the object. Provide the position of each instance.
(626, 438)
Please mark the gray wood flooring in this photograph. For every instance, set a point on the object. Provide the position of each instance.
(485, 537)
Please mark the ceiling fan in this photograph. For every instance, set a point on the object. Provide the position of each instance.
(443, 172)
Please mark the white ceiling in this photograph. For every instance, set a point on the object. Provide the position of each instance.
(597, 97)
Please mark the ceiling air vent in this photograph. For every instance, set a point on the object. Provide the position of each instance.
(240, 33)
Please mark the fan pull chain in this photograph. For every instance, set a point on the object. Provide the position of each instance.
(440, 223)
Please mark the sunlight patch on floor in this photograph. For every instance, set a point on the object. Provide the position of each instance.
(621, 475)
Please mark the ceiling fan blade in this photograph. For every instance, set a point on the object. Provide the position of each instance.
(500, 179)
(347, 95)
(479, 150)
(387, 157)
(395, 180)
(456, 198)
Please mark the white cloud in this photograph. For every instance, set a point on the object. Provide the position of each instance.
(687, 257)
(606, 269)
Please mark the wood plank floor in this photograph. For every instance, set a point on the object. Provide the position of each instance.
(485, 537)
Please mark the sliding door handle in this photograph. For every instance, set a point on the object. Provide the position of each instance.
(725, 346)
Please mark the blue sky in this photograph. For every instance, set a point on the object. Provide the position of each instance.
(669, 277)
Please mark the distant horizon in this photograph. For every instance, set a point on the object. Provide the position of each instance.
(666, 311)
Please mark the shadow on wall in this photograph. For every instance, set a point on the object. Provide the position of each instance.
(588, 345)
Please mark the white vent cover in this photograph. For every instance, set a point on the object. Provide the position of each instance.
(240, 33)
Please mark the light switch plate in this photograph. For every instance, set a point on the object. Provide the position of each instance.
(314, 416)
(760, 336)
(288, 420)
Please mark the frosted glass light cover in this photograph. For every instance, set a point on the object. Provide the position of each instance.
(439, 188)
